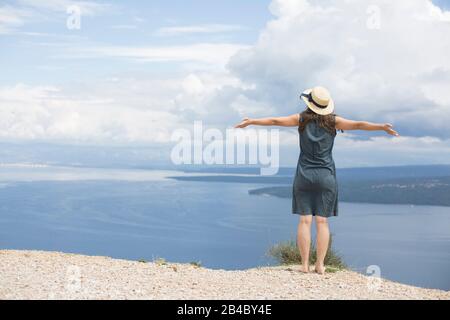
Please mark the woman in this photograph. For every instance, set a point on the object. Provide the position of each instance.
(315, 189)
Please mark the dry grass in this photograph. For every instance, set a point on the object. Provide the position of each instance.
(287, 253)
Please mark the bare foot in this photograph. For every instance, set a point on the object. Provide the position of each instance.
(320, 269)
(304, 269)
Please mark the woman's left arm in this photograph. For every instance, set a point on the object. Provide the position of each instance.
(290, 121)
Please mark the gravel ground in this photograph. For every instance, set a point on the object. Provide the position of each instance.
(52, 275)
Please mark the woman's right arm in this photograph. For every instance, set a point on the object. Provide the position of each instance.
(290, 121)
(345, 124)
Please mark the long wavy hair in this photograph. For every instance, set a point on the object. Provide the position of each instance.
(327, 122)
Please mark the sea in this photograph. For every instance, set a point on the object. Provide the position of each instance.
(143, 214)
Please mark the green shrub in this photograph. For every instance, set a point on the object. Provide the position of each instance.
(196, 264)
(160, 261)
(288, 253)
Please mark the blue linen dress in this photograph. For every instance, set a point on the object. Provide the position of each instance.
(315, 189)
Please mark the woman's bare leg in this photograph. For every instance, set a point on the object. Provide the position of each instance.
(323, 238)
(304, 240)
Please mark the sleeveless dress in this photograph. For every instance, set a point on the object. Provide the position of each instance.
(315, 189)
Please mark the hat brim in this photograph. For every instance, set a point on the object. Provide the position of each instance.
(322, 111)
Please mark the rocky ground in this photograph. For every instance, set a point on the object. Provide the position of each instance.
(52, 275)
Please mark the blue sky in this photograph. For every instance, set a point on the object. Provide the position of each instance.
(41, 40)
(137, 70)
(445, 4)
(36, 44)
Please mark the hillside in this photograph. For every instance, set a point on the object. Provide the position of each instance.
(51, 275)
(416, 191)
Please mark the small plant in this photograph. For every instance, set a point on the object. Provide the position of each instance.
(287, 253)
(161, 261)
(196, 264)
(142, 261)
(329, 269)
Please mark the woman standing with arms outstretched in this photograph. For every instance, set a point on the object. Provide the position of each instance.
(315, 189)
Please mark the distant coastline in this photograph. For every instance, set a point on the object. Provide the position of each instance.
(365, 187)
(413, 191)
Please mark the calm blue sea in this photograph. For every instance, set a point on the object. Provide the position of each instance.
(137, 214)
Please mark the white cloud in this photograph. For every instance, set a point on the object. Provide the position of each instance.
(117, 110)
(398, 73)
(193, 85)
(99, 116)
(374, 74)
(208, 53)
(288, 8)
(89, 8)
(382, 150)
(197, 29)
(124, 27)
(12, 18)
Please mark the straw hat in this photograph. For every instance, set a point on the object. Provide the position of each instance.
(318, 99)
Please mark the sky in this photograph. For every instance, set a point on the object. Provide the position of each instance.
(130, 73)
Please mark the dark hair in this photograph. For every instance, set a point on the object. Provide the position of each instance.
(327, 122)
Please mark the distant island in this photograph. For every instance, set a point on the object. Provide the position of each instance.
(416, 191)
(416, 185)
